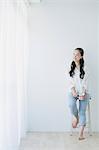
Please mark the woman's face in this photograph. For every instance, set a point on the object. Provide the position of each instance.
(76, 56)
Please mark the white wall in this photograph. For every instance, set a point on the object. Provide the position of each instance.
(98, 57)
(55, 30)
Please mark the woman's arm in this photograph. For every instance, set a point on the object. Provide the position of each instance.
(84, 84)
(71, 83)
(72, 86)
(85, 81)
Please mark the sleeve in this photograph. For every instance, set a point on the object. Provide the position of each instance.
(71, 82)
(85, 80)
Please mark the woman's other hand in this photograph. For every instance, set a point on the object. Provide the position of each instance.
(74, 93)
(81, 97)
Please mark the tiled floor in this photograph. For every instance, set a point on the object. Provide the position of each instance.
(59, 141)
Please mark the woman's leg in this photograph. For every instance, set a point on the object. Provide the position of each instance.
(82, 117)
(74, 110)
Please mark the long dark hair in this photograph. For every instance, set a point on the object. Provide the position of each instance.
(73, 65)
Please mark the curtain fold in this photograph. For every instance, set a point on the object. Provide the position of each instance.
(13, 73)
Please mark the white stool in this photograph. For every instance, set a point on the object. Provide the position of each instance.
(88, 123)
(89, 119)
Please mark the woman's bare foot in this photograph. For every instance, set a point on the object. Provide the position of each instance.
(74, 121)
(81, 137)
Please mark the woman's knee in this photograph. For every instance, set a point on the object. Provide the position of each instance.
(71, 100)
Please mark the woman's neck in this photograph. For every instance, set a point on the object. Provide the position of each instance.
(77, 64)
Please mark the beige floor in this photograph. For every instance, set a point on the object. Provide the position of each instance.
(59, 141)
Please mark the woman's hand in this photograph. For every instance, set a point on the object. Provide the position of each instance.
(74, 93)
(82, 97)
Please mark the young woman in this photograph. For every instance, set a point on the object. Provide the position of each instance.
(78, 76)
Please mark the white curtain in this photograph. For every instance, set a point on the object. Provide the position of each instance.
(13, 73)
